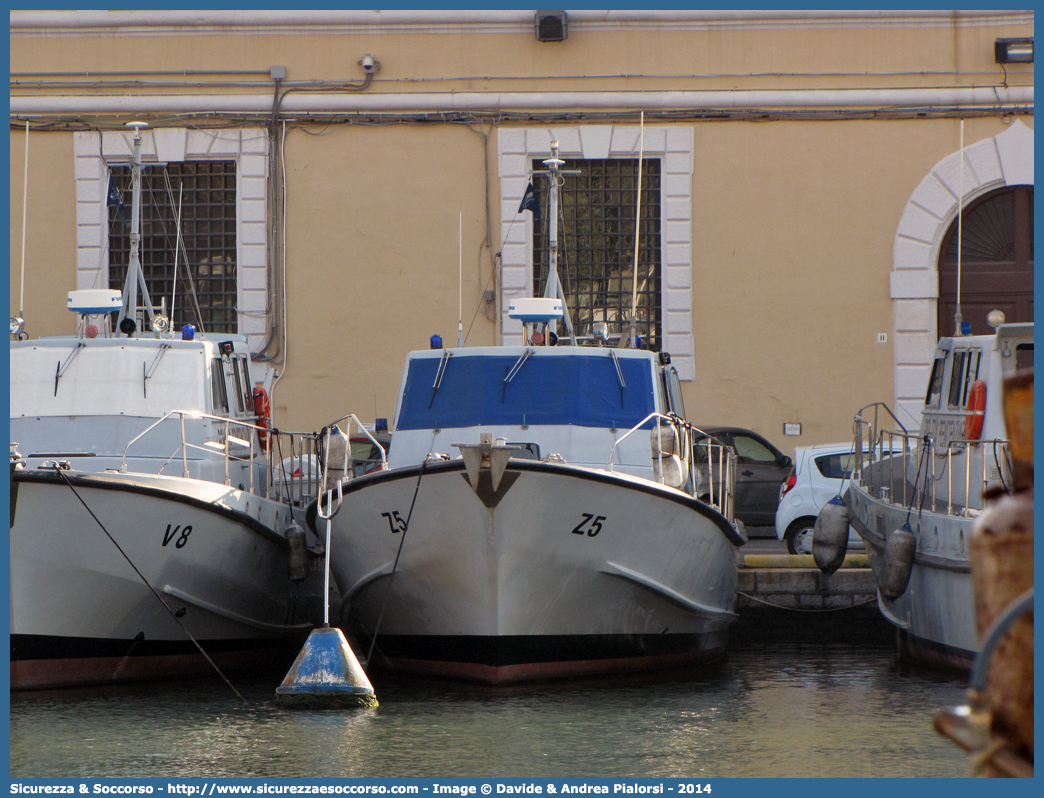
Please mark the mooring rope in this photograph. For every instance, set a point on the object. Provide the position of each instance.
(159, 598)
(925, 452)
(803, 609)
(395, 566)
(1000, 470)
(282, 470)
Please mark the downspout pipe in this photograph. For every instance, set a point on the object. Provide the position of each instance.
(501, 102)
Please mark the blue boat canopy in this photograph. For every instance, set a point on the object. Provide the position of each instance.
(581, 390)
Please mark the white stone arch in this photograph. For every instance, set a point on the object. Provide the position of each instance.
(1004, 160)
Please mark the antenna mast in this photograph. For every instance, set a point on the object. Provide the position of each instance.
(553, 288)
(135, 276)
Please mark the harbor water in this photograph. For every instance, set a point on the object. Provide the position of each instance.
(777, 709)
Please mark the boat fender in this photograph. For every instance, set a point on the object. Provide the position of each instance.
(263, 411)
(663, 438)
(830, 535)
(674, 471)
(898, 562)
(295, 538)
(668, 467)
(335, 456)
(976, 411)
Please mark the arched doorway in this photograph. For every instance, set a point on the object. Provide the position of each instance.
(991, 165)
(996, 261)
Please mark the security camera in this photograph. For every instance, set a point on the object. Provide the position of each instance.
(370, 64)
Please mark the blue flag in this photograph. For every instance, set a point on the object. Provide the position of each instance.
(530, 202)
(115, 199)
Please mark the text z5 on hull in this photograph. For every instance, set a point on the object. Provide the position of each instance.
(560, 571)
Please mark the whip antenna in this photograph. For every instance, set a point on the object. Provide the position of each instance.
(637, 230)
(960, 215)
(460, 280)
(25, 199)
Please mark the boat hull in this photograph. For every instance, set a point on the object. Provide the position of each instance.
(561, 571)
(185, 558)
(935, 615)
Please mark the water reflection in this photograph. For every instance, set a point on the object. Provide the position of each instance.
(798, 709)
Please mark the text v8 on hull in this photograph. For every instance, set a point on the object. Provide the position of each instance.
(149, 505)
(915, 510)
(539, 515)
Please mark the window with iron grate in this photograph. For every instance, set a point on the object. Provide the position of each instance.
(596, 245)
(206, 291)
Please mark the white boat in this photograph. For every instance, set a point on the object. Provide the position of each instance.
(149, 514)
(915, 511)
(539, 516)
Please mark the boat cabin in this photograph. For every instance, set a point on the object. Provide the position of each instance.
(961, 362)
(83, 399)
(567, 401)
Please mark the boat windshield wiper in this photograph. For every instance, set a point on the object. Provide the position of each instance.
(514, 370)
(148, 371)
(619, 375)
(439, 374)
(62, 367)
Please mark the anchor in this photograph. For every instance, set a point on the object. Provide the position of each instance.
(485, 464)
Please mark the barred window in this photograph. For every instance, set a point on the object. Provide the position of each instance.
(596, 245)
(205, 294)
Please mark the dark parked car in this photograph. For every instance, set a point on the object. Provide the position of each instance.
(366, 457)
(761, 469)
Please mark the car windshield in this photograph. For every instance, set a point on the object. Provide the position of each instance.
(752, 450)
(365, 450)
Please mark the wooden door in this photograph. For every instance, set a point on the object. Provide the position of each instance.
(996, 261)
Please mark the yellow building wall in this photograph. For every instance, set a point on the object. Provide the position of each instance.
(793, 221)
(50, 239)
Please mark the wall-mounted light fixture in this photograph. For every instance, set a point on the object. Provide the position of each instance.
(370, 65)
(551, 26)
(1013, 51)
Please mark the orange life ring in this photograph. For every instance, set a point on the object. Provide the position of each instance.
(976, 411)
(263, 411)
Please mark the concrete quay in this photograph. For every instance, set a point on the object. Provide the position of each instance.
(792, 582)
(785, 596)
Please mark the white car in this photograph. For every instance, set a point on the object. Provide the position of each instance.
(819, 472)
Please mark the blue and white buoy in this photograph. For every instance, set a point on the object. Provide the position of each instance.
(326, 675)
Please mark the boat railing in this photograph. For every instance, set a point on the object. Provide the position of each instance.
(874, 448)
(905, 468)
(292, 467)
(721, 472)
(719, 461)
(223, 446)
(314, 466)
(961, 456)
(351, 417)
(281, 465)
